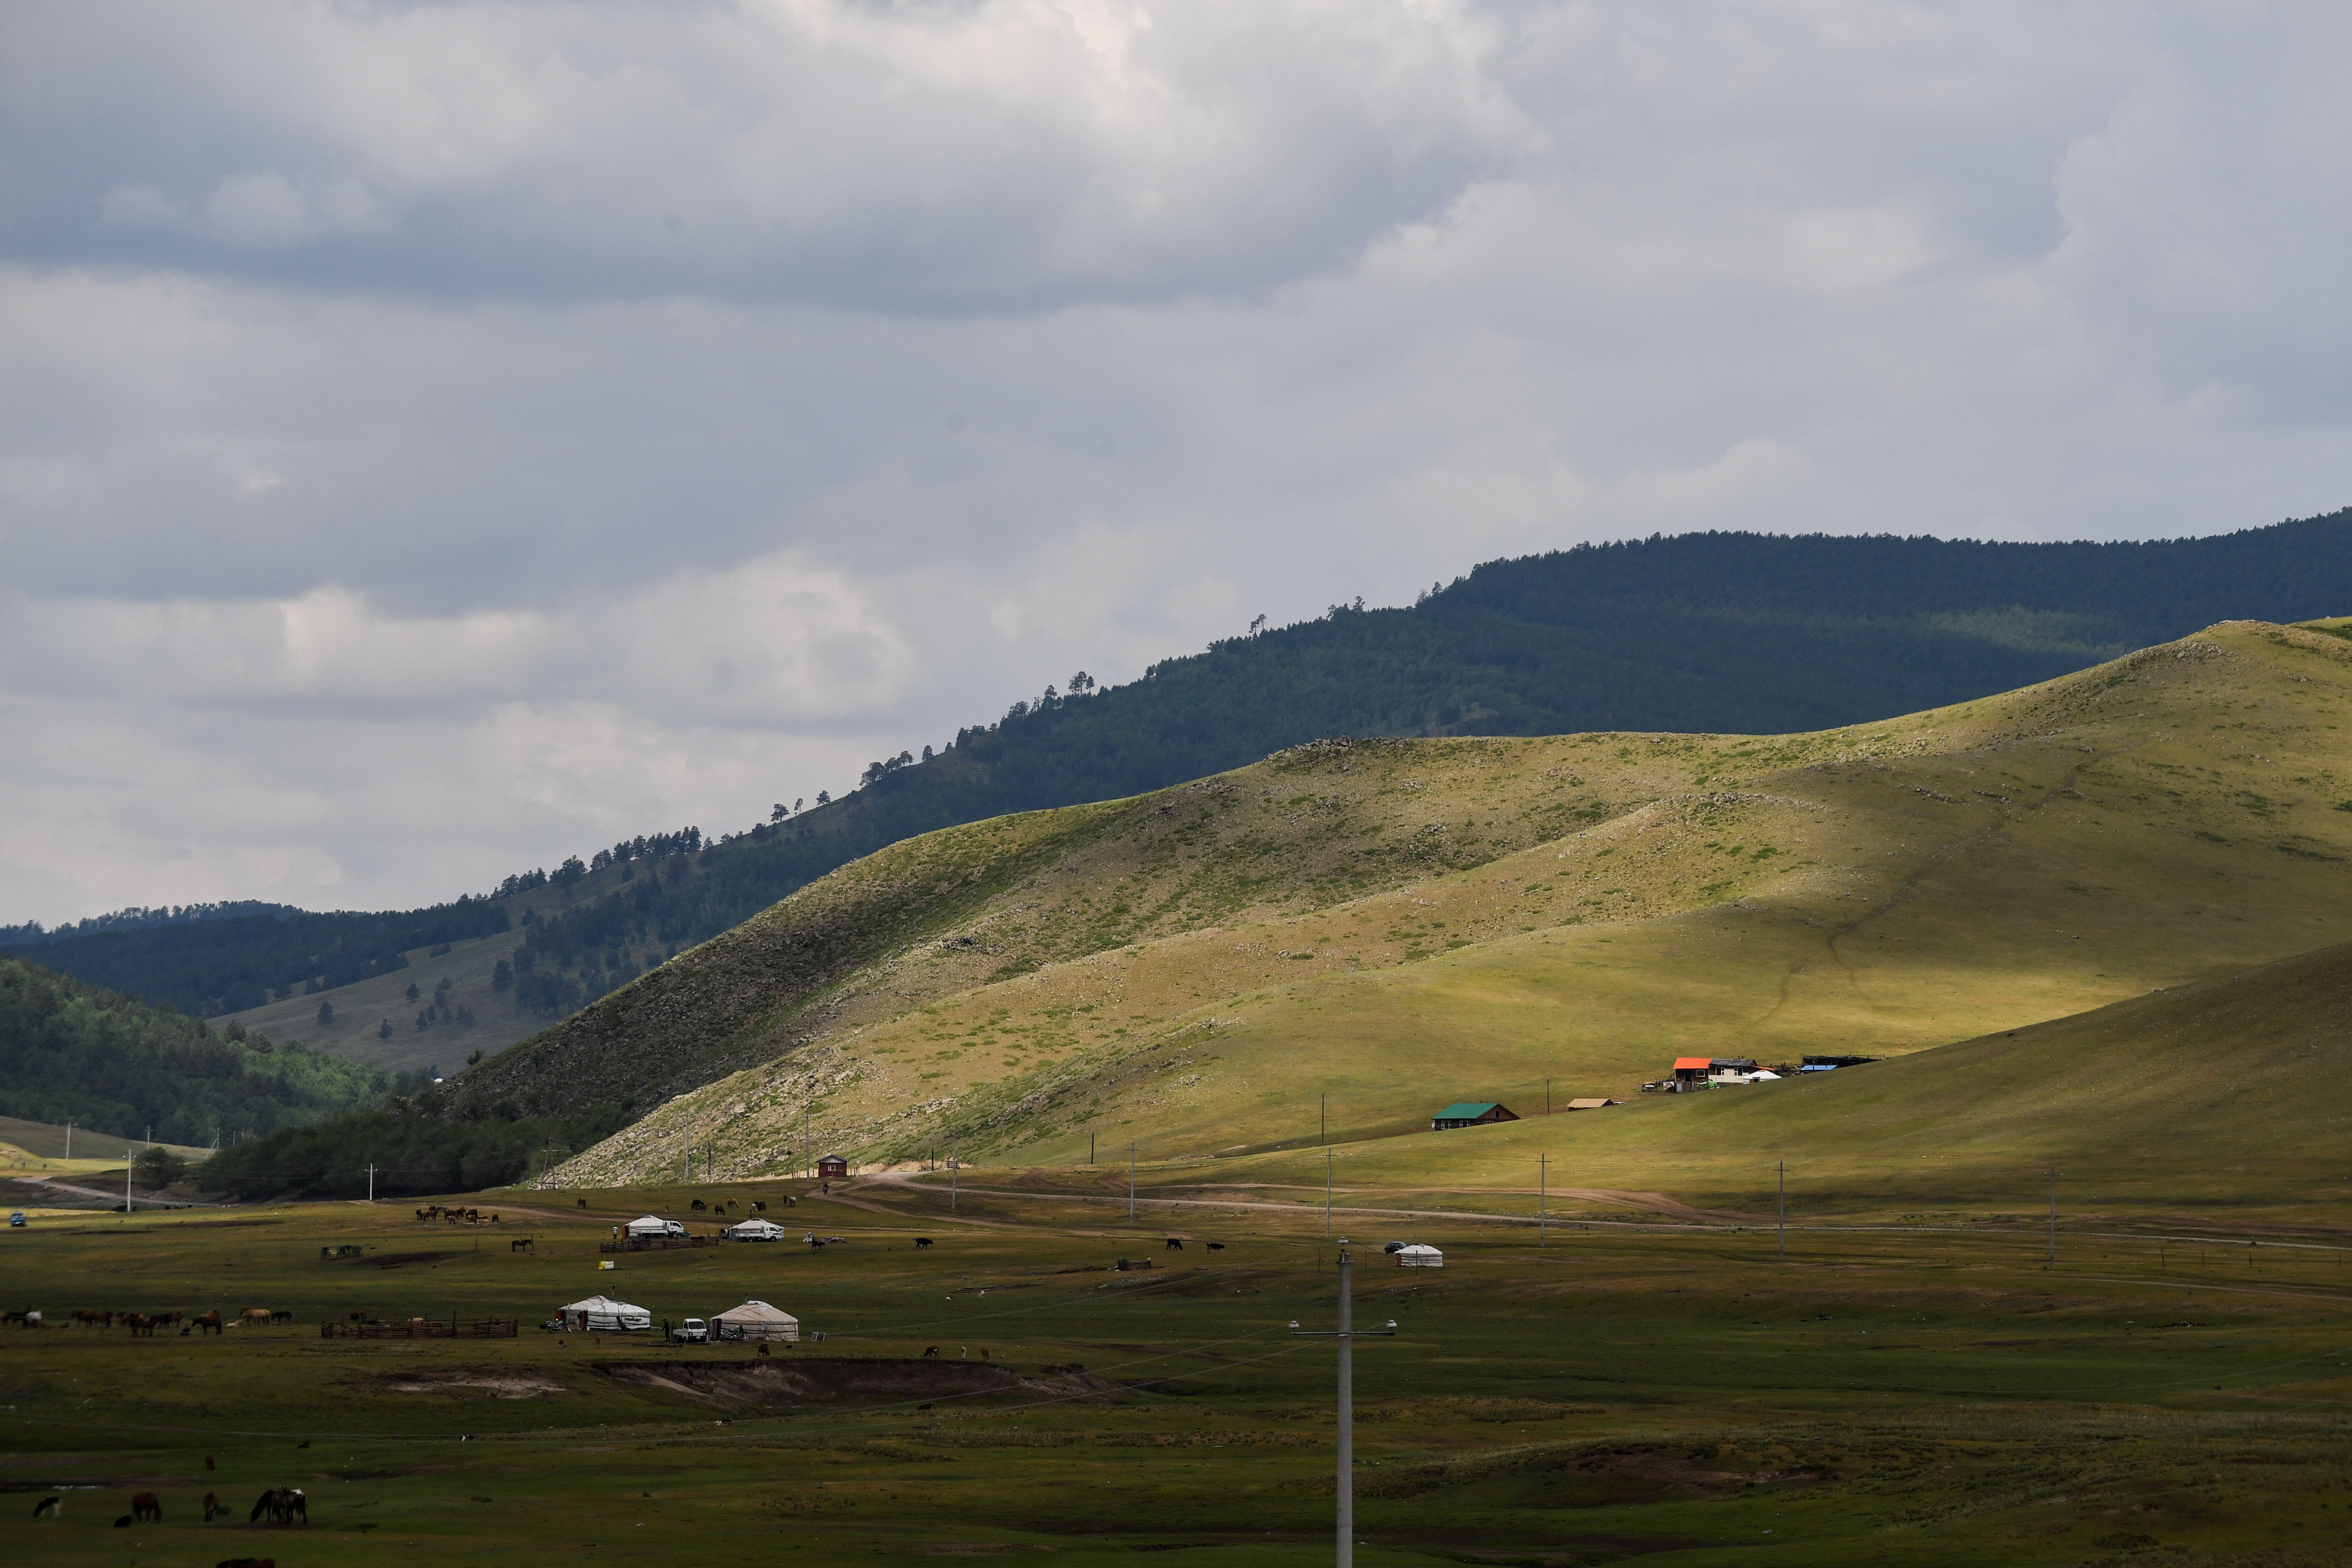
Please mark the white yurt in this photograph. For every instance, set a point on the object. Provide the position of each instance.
(601, 1314)
(649, 1226)
(756, 1320)
(755, 1230)
(1419, 1256)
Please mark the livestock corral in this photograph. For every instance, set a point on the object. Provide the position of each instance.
(992, 1379)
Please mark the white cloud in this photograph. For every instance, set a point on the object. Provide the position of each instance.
(436, 438)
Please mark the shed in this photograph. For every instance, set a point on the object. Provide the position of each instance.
(756, 1320)
(1593, 1103)
(601, 1314)
(1472, 1113)
(756, 1230)
(833, 1168)
(1419, 1256)
(1694, 1070)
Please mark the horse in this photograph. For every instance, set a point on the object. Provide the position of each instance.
(212, 1507)
(422, 1214)
(923, 1241)
(758, 1205)
(147, 1506)
(584, 1202)
(206, 1322)
(282, 1504)
(283, 1315)
(930, 1351)
(256, 1317)
(141, 1323)
(27, 1318)
(522, 1244)
(698, 1206)
(47, 1507)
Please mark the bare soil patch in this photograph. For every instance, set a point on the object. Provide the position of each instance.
(786, 1384)
(497, 1381)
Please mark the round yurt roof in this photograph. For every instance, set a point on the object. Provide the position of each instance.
(755, 1312)
(603, 1305)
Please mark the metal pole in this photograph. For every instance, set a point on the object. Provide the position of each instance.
(1090, 1148)
(69, 1140)
(126, 1181)
(1543, 1195)
(1347, 1477)
(371, 1181)
(1327, 1192)
(1784, 1211)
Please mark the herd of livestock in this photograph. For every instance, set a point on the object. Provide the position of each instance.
(148, 1323)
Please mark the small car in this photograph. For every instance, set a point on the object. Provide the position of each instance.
(693, 1332)
(1396, 1246)
(17, 1219)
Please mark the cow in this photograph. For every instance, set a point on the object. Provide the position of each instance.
(256, 1317)
(147, 1507)
(923, 1241)
(206, 1323)
(1216, 1247)
(522, 1244)
(47, 1507)
(1174, 1245)
(930, 1351)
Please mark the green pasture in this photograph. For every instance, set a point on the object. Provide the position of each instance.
(1671, 1393)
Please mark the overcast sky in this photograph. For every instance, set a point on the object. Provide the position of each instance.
(437, 438)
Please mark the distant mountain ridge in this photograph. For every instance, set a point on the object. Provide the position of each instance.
(1722, 633)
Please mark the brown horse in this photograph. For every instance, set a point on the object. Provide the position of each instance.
(212, 1507)
(146, 1506)
(283, 1505)
(208, 1324)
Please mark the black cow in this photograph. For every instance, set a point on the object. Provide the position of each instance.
(923, 1241)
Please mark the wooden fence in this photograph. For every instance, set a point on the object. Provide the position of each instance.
(450, 1328)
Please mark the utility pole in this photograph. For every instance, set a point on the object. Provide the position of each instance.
(2053, 1214)
(1327, 1192)
(1784, 1211)
(1130, 1181)
(1543, 1191)
(69, 1140)
(1346, 1334)
(1090, 1148)
(371, 1181)
(1323, 1120)
(955, 1166)
(808, 1152)
(126, 1181)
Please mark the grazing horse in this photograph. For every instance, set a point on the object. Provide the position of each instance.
(923, 1241)
(256, 1317)
(1174, 1245)
(283, 1505)
(283, 1315)
(147, 1506)
(141, 1323)
(521, 1244)
(698, 1206)
(758, 1205)
(212, 1507)
(47, 1507)
(206, 1322)
(422, 1214)
(28, 1319)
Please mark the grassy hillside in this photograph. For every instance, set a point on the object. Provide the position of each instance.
(1659, 634)
(1399, 924)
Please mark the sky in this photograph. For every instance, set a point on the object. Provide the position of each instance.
(437, 438)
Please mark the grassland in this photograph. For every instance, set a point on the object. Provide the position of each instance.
(1375, 928)
(1676, 1395)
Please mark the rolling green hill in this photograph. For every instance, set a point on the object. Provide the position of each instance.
(1659, 634)
(1399, 924)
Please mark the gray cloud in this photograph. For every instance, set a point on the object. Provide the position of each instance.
(436, 438)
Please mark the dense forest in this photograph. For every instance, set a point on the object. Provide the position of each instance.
(1723, 632)
(410, 1153)
(70, 1052)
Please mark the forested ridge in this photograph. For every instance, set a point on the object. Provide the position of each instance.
(72, 1052)
(1713, 632)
